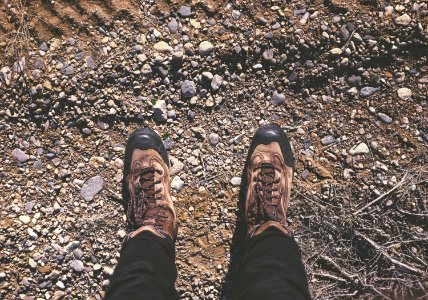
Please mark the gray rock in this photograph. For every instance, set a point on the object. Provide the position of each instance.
(69, 70)
(205, 48)
(177, 183)
(20, 155)
(90, 62)
(173, 25)
(277, 98)
(354, 80)
(176, 165)
(327, 140)
(216, 82)
(44, 47)
(29, 206)
(137, 48)
(77, 253)
(368, 91)
(385, 118)
(91, 187)
(185, 11)
(77, 265)
(268, 55)
(39, 63)
(159, 111)
(72, 245)
(86, 131)
(214, 138)
(188, 88)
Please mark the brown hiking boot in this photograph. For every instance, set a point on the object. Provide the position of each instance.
(269, 174)
(146, 186)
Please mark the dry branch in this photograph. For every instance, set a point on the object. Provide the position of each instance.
(383, 195)
(386, 255)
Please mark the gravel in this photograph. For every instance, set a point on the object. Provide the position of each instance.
(347, 82)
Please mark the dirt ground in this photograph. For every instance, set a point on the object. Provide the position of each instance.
(360, 219)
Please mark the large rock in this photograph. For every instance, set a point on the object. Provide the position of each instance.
(403, 20)
(20, 155)
(91, 187)
(185, 11)
(177, 183)
(360, 148)
(277, 98)
(404, 93)
(368, 91)
(77, 265)
(216, 82)
(188, 88)
(162, 47)
(205, 48)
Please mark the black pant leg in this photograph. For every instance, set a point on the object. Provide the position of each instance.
(146, 270)
(272, 269)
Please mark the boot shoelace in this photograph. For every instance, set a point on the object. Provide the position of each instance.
(264, 206)
(143, 208)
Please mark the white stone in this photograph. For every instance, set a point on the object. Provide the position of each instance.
(205, 48)
(361, 148)
(24, 219)
(77, 265)
(108, 271)
(404, 93)
(176, 165)
(236, 181)
(121, 233)
(32, 233)
(336, 51)
(403, 20)
(162, 47)
(177, 183)
(214, 138)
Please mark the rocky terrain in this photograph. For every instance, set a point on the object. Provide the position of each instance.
(347, 81)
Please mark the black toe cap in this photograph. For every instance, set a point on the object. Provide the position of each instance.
(273, 133)
(144, 139)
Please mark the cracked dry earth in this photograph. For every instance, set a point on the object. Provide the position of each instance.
(347, 81)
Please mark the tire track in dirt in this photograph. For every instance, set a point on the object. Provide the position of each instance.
(47, 19)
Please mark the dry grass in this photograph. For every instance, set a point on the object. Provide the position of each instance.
(19, 41)
(377, 253)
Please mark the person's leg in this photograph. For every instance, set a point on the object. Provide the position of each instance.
(146, 268)
(271, 267)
